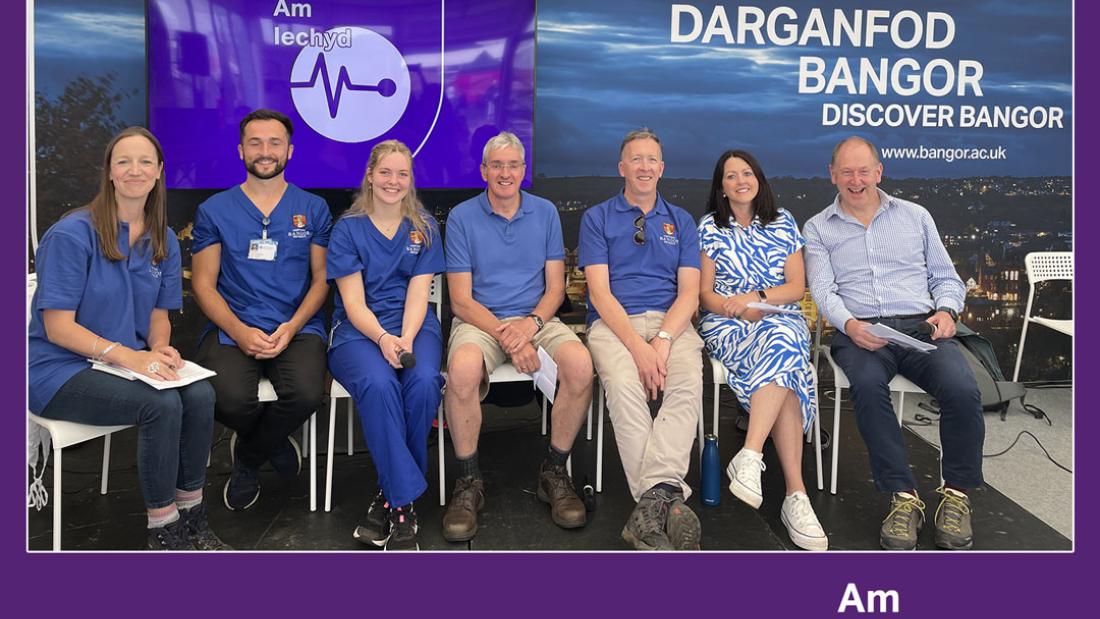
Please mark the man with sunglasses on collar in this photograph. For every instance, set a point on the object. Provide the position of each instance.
(640, 256)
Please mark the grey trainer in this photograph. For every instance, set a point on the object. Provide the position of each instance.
(901, 526)
(953, 530)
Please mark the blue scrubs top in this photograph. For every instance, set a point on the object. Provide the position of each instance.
(642, 277)
(386, 265)
(263, 293)
(113, 299)
(506, 259)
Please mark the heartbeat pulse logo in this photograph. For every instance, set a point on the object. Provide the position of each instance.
(346, 109)
(385, 87)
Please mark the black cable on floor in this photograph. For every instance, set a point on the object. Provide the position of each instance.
(922, 420)
(1038, 442)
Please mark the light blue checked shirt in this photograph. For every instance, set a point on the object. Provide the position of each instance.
(897, 266)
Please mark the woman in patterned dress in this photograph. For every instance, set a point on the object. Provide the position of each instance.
(752, 252)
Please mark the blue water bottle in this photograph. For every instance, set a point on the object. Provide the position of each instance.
(712, 471)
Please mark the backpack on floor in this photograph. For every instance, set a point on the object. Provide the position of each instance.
(997, 392)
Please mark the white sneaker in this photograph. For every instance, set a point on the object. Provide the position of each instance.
(801, 522)
(744, 473)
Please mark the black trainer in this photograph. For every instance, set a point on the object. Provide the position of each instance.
(403, 529)
(242, 488)
(375, 527)
(287, 461)
(172, 536)
(198, 529)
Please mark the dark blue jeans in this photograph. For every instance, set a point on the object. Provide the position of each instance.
(945, 375)
(175, 426)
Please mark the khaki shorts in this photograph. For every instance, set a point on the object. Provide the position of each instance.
(552, 335)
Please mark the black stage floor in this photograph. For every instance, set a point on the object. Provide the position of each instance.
(511, 449)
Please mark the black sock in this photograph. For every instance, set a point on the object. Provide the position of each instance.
(669, 488)
(467, 467)
(554, 458)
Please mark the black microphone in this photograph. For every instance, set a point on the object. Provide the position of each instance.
(407, 360)
(925, 328)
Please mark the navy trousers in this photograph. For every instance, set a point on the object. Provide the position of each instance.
(945, 375)
(396, 408)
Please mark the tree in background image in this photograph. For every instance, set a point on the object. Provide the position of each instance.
(70, 134)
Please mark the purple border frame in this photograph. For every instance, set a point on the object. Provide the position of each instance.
(929, 584)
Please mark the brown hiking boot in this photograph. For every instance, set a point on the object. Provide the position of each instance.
(566, 508)
(460, 519)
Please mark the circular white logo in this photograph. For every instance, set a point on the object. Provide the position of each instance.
(355, 91)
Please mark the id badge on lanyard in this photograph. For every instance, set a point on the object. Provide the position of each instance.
(263, 248)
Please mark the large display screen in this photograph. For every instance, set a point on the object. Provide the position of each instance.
(442, 76)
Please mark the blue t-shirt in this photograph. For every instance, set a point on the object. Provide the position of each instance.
(642, 277)
(263, 293)
(506, 259)
(386, 265)
(113, 299)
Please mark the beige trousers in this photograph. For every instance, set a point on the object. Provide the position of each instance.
(653, 450)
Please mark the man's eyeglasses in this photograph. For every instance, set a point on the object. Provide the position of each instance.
(639, 230)
(511, 166)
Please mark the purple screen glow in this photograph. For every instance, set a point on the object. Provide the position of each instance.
(442, 76)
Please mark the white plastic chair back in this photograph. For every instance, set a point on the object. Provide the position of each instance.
(1049, 265)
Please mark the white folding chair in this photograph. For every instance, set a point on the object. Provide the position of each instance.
(66, 434)
(718, 372)
(1044, 266)
(899, 384)
(506, 373)
(338, 392)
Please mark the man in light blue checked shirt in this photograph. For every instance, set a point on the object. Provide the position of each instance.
(875, 258)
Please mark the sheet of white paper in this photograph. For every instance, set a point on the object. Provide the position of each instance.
(897, 337)
(768, 308)
(190, 372)
(546, 377)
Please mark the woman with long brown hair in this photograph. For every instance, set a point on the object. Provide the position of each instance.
(108, 274)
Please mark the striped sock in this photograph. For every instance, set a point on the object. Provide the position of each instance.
(186, 499)
(157, 522)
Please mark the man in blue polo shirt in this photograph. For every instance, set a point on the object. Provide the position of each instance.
(259, 274)
(873, 258)
(506, 276)
(640, 256)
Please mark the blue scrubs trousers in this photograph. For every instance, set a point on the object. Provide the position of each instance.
(396, 408)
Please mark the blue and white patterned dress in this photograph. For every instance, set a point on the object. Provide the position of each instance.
(775, 349)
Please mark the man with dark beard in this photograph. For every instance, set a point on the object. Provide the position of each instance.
(259, 274)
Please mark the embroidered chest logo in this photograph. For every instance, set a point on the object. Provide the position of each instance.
(669, 236)
(416, 241)
(298, 229)
(154, 270)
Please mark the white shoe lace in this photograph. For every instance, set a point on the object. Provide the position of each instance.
(747, 473)
(801, 514)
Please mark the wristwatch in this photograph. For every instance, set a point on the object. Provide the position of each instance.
(665, 335)
(538, 321)
(950, 312)
(763, 297)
